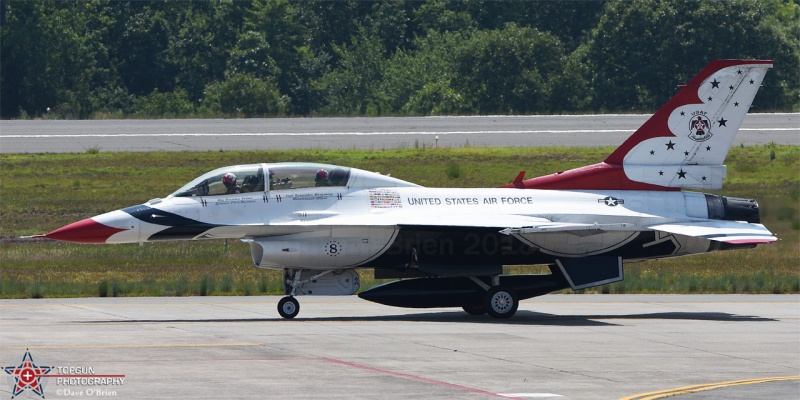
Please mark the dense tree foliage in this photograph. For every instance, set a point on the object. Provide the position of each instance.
(103, 58)
(634, 61)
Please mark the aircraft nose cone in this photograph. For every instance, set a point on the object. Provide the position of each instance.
(85, 231)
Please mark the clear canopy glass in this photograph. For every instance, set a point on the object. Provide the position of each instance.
(250, 178)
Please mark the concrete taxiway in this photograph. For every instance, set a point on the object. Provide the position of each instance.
(54, 136)
(557, 346)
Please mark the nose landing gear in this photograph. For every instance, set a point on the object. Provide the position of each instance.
(297, 282)
(289, 307)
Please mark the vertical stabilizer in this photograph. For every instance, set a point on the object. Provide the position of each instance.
(684, 144)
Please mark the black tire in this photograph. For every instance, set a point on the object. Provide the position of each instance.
(474, 310)
(288, 307)
(501, 302)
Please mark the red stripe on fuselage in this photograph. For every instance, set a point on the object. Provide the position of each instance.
(601, 176)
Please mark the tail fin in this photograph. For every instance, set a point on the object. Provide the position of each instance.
(683, 145)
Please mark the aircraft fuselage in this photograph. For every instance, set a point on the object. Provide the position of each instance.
(323, 228)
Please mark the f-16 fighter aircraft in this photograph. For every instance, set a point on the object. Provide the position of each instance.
(319, 223)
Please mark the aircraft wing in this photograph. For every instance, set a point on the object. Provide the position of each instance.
(721, 231)
(483, 221)
(505, 224)
(578, 229)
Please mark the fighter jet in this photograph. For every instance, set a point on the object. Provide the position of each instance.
(447, 247)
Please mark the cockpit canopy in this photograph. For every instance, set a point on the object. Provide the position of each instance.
(226, 180)
(280, 176)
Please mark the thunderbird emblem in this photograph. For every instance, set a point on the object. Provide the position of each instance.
(700, 128)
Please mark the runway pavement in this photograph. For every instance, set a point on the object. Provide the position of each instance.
(557, 346)
(46, 136)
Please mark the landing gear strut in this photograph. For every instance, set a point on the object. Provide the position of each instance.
(289, 307)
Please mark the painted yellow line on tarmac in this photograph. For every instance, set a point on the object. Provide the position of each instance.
(708, 386)
(135, 346)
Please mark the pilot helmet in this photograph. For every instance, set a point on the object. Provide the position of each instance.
(229, 179)
(337, 176)
(322, 175)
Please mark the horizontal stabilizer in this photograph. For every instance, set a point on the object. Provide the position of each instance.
(733, 232)
(703, 177)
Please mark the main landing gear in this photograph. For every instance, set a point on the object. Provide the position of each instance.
(499, 301)
(288, 307)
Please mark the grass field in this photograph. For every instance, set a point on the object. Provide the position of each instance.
(39, 193)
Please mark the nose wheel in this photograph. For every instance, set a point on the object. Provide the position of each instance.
(288, 307)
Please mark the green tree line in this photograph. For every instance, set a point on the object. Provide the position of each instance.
(247, 58)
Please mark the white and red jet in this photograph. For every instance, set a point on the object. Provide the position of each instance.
(319, 223)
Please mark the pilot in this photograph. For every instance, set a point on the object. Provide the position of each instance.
(338, 177)
(229, 180)
(278, 184)
(251, 183)
(322, 178)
